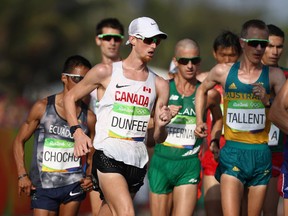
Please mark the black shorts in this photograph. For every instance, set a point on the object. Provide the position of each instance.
(133, 175)
(51, 198)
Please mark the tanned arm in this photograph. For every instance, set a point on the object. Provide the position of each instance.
(25, 132)
(162, 114)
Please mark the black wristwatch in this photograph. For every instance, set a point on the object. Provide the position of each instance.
(74, 128)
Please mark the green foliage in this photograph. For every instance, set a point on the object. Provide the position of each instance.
(37, 36)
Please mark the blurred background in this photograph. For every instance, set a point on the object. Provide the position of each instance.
(36, 37)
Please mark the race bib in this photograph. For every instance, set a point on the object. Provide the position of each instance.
(274, 134)
(246, 115)
(129, 122)
(58, 156)
(181, 131)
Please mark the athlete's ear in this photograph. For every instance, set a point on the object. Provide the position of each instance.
(97, 41)
(242, 43)
(214, 54)
(64, 79)
(132, 40)
(175, 61)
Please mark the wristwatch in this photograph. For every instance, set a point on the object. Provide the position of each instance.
(74, 128)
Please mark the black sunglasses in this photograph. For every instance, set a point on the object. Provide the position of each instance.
(149, 41)
(76, 78)
(108, 37)
(185, 61)
(256, 42)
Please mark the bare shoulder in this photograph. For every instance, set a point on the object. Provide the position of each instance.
(276, 75)
(104, 68)
(38, 109)
(276, 71)
(40, 104)
(96, 76)
(219, 72)
(222, 68)
(100, 70)
(161, 82)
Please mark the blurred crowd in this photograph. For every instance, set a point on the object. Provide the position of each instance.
(13, 111)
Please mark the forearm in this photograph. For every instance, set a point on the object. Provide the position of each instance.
(161, 119)
(279, 118)
(18, 150)
(70, 109)
(160, 134)
(89, 162)
(200, 105)
(150, 142)
(216, 129)
(217, 118)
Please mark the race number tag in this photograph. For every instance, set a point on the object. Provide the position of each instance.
(58, 156)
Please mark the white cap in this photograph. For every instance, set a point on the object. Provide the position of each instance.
(145, 27)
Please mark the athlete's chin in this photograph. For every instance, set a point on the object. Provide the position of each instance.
(112, 54)
(273, 61)
(147, 59)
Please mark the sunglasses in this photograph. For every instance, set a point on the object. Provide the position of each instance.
(76, 78)
(185, 61)
(149, 41)
(256, 42)
(108, 37)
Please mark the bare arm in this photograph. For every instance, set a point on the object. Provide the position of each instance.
(277, 79)
(97, 76)
(162, 114)
(213, 103)
(25, 132)
(150, 142)
(278, 113)
(87, 184)
(216, 75)
(91, 127)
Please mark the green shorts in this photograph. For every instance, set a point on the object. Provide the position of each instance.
(250, 163)
(167, 171)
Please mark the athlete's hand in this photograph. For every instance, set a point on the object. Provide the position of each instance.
(201, 130)
(25, 186)
(87, 183)
(165, 115)
(82, 143)
(174, 109)
(259, 91)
